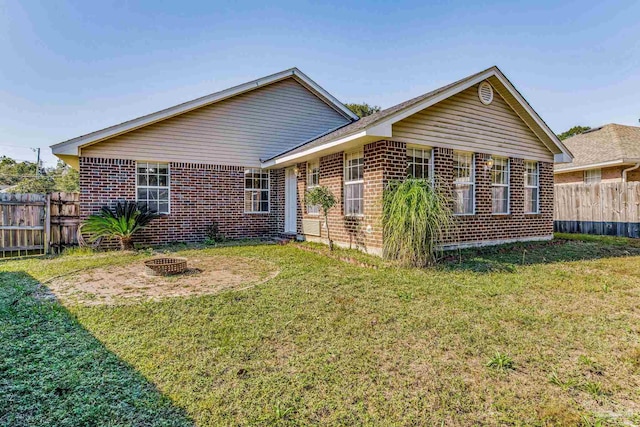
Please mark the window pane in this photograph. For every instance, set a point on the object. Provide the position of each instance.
(163, 169)
(531, 200)
(353, 199)
(163, 180)
(463, 199)
(142, 168)
(500, 200)
(142, 180)
(419, 171)
(153, 193)
(153, 180)
(163, 208)
(142, 194)
(163, 195)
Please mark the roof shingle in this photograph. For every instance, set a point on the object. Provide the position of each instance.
(604, 144)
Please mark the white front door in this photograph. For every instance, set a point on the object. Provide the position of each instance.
(290, 201)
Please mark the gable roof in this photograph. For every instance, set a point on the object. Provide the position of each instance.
(378, 125)
(71, 146)
(607, 145)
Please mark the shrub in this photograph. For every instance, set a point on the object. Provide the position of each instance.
(213, 233)
(324, 198)
(416, 216)
(121, 223)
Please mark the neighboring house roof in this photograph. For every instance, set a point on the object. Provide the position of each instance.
(70, 148)
(607, 145)
(379, 125)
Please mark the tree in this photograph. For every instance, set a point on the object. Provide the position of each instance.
(576, 130)
(121, 223)
(66, 178)
(323, 197)
(41, 184)
(363, 110)
(12, 171)
(22, 176)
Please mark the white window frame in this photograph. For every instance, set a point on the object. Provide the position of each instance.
(252, 189)
(348, 157)
(593, 176)
(472, 182)
(411, 152)
(313, 209)
(154, 187)
(507, 185)
(536, 186)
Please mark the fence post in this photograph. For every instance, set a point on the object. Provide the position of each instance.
(47, 225)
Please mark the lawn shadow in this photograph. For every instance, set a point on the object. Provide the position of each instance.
(53, 372)
(506, 258)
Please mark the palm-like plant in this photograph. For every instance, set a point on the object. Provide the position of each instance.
(121, 223)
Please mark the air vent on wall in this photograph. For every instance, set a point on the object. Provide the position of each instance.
(485, 92)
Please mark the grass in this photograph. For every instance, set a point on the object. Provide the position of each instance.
(334, 343)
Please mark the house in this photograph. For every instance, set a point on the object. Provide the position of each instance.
(610, 153)
(244, 157)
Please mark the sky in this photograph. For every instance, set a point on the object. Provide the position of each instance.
(68, 68)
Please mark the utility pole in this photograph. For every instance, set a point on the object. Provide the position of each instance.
(37, 150)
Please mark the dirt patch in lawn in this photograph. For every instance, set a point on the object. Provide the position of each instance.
(129, 283)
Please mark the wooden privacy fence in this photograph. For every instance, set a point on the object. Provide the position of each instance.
(35, 224)
(23, 224)
(64, 220)
(610, 208)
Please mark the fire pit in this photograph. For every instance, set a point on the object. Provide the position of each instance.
(165, 266)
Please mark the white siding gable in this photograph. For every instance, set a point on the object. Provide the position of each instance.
(463, 122)
(237, 131)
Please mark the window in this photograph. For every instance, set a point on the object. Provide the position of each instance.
(353, 184)
(531, 187)
(500, 185)
(152, 186)
(256, 191)
(313, 180)
(463, 183)
(592, 176)
(419, 163)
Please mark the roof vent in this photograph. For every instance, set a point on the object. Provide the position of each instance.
(485, 92)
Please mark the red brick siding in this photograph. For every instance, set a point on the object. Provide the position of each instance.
(485, 226)
(611, 174)
(386, 160)
(383, 161)
(200, 194)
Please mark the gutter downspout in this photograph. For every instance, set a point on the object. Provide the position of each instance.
(624, 172)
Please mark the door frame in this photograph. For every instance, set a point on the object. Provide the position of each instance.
(290, 201)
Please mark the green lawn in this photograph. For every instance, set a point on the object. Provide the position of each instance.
(328, 342)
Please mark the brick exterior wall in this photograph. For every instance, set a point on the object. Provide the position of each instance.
(386, 160)
(200, 194)
(611, 174)
(486, 226)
